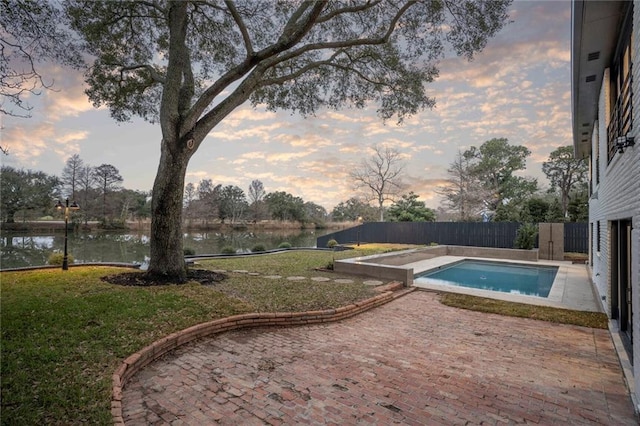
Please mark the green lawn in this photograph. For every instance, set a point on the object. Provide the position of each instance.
(512, 309)
(65, 333)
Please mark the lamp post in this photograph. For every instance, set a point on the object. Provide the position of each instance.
(67, 208)
(359, 223)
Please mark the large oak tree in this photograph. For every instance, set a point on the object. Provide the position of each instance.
(189, 64)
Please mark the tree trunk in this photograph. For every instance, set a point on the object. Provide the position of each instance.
(565, 203)
(167, 257)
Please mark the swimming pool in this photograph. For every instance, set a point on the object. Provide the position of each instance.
(529, 280)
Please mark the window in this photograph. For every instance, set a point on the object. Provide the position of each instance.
(621, 120)
(591, 244)
(596, 138)
(594, 165)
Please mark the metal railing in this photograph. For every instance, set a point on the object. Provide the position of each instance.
(621, 116)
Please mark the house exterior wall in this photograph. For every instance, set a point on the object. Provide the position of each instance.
(617, 196)
(599, 248)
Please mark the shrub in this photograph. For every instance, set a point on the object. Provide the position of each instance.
(284, 245)
(526, 236)
(258, 248)
(332, 243)
(228, 250)
(188, 251)
(112, 224)
(57, 258)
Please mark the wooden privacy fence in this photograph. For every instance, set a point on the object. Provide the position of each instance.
(576, 237)
(477, 234)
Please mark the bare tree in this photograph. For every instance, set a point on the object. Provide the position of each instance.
(85, 188)
(256, 198)
(380, 176)
(108, 178)
(208, 203)
(71, 174)
(189, 197)
(463, 192)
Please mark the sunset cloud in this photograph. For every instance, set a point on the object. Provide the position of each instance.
(519, 87)
(286, 156)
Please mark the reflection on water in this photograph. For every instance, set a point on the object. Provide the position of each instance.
(24, 249)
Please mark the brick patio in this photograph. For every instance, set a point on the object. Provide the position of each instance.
(411, 361)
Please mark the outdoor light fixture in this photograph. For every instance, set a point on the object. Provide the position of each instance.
(623, 142)
(67, 208)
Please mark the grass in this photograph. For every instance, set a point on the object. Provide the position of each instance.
(576, 257)
(543, 313)
(276, 295)
(64, 333)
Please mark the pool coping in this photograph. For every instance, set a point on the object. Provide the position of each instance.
(571, 287)
(556, 285)
(397, 265)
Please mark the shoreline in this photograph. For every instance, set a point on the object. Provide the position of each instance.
(188, 225)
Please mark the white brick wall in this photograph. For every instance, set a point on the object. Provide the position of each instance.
(618, 197)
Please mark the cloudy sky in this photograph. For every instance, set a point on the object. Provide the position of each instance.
(517, 88)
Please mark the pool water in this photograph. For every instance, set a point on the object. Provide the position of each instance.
(527, 280)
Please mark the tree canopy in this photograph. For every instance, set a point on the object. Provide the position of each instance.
(494, 164)
(354, 209)
(410, 209)
(565, 173)
(188, 64)
(26, 190)
(31, 34)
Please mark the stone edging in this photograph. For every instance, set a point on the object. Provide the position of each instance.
(150, 353)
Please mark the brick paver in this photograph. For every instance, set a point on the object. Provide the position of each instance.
(412, 361)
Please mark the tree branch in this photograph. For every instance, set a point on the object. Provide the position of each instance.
(345, 43)
(241, 26)
(345, 10)
(328, 62)
(155, 75)
(298, 29)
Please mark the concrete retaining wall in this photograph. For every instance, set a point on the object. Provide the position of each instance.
(390, 265)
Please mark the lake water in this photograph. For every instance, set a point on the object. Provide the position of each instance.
(19, 249)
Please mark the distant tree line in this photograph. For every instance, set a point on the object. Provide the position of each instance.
(28, 194)
(229, 204)
(482, 184)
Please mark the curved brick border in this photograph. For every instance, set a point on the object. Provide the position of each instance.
(148, 354)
